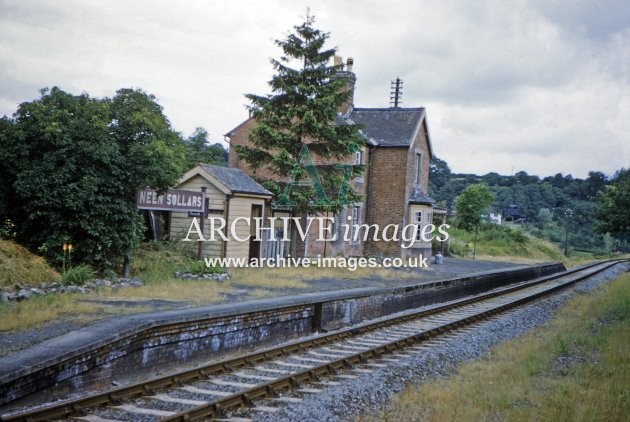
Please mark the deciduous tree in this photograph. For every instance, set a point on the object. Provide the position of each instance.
(470, 205)
(77, 162)
(614, 207)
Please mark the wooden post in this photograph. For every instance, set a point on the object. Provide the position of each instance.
(202, 223)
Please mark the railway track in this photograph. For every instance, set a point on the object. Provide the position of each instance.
(304, 366)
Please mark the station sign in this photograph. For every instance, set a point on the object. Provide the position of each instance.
(171, 200)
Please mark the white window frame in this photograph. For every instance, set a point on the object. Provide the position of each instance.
(417, 219)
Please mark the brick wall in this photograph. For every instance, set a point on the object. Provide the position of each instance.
(386, 202)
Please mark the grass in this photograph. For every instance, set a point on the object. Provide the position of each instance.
(195, 291)
(19, 266)
(78, 274)
(576, 367)
(502, 243)
(41, 309)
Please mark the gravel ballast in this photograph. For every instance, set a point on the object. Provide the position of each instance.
(371, 392)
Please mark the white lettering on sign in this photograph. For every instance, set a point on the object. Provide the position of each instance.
(171, 200)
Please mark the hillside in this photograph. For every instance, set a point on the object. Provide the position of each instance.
(549, 204)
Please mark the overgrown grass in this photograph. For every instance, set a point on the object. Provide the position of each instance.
(40, 309)
(19, 266)
(157, 262)
(506, 243)
(576, 367)
(195, 291)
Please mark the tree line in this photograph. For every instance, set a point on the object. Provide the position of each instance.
(595, 208)
(71, 165)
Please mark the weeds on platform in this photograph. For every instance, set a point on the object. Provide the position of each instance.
(576, 367)
(40, 309)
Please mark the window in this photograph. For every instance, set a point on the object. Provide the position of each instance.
(358, 160)
(417, 220)
(418, 169)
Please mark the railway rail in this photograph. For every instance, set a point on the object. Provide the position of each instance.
(215, 389)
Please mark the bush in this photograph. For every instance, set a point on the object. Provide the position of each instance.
(495, 232)
(155, 262)
(78, 275)
(200, 268)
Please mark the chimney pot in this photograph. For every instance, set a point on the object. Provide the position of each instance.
(349, 64)
(337, 60)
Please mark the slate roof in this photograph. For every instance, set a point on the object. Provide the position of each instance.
(419, 197)
(236, 180)
(389, 126)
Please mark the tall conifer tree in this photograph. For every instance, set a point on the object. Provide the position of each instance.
(303, 110)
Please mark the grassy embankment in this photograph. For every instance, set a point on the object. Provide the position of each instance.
(575, 367)
(503, 243)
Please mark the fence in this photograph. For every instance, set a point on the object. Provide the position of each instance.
(274, 247)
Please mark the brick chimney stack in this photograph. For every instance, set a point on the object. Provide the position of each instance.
(350, 79)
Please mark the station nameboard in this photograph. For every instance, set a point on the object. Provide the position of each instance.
(171, 200)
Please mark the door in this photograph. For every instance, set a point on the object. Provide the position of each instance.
(254, 246)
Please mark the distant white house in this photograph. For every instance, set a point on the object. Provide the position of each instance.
(495, 218)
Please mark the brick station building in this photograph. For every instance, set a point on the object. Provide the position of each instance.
(397, 154)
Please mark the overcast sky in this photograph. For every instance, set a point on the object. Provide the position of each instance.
(541, 86)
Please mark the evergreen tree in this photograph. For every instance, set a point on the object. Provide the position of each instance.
(303, 111)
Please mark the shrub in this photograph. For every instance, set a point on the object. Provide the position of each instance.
(78, 275)
(200, 267)
(155, 262)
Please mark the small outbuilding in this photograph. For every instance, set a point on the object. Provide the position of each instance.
(231, 196)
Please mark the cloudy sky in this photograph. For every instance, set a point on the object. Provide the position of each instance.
(541, 86)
